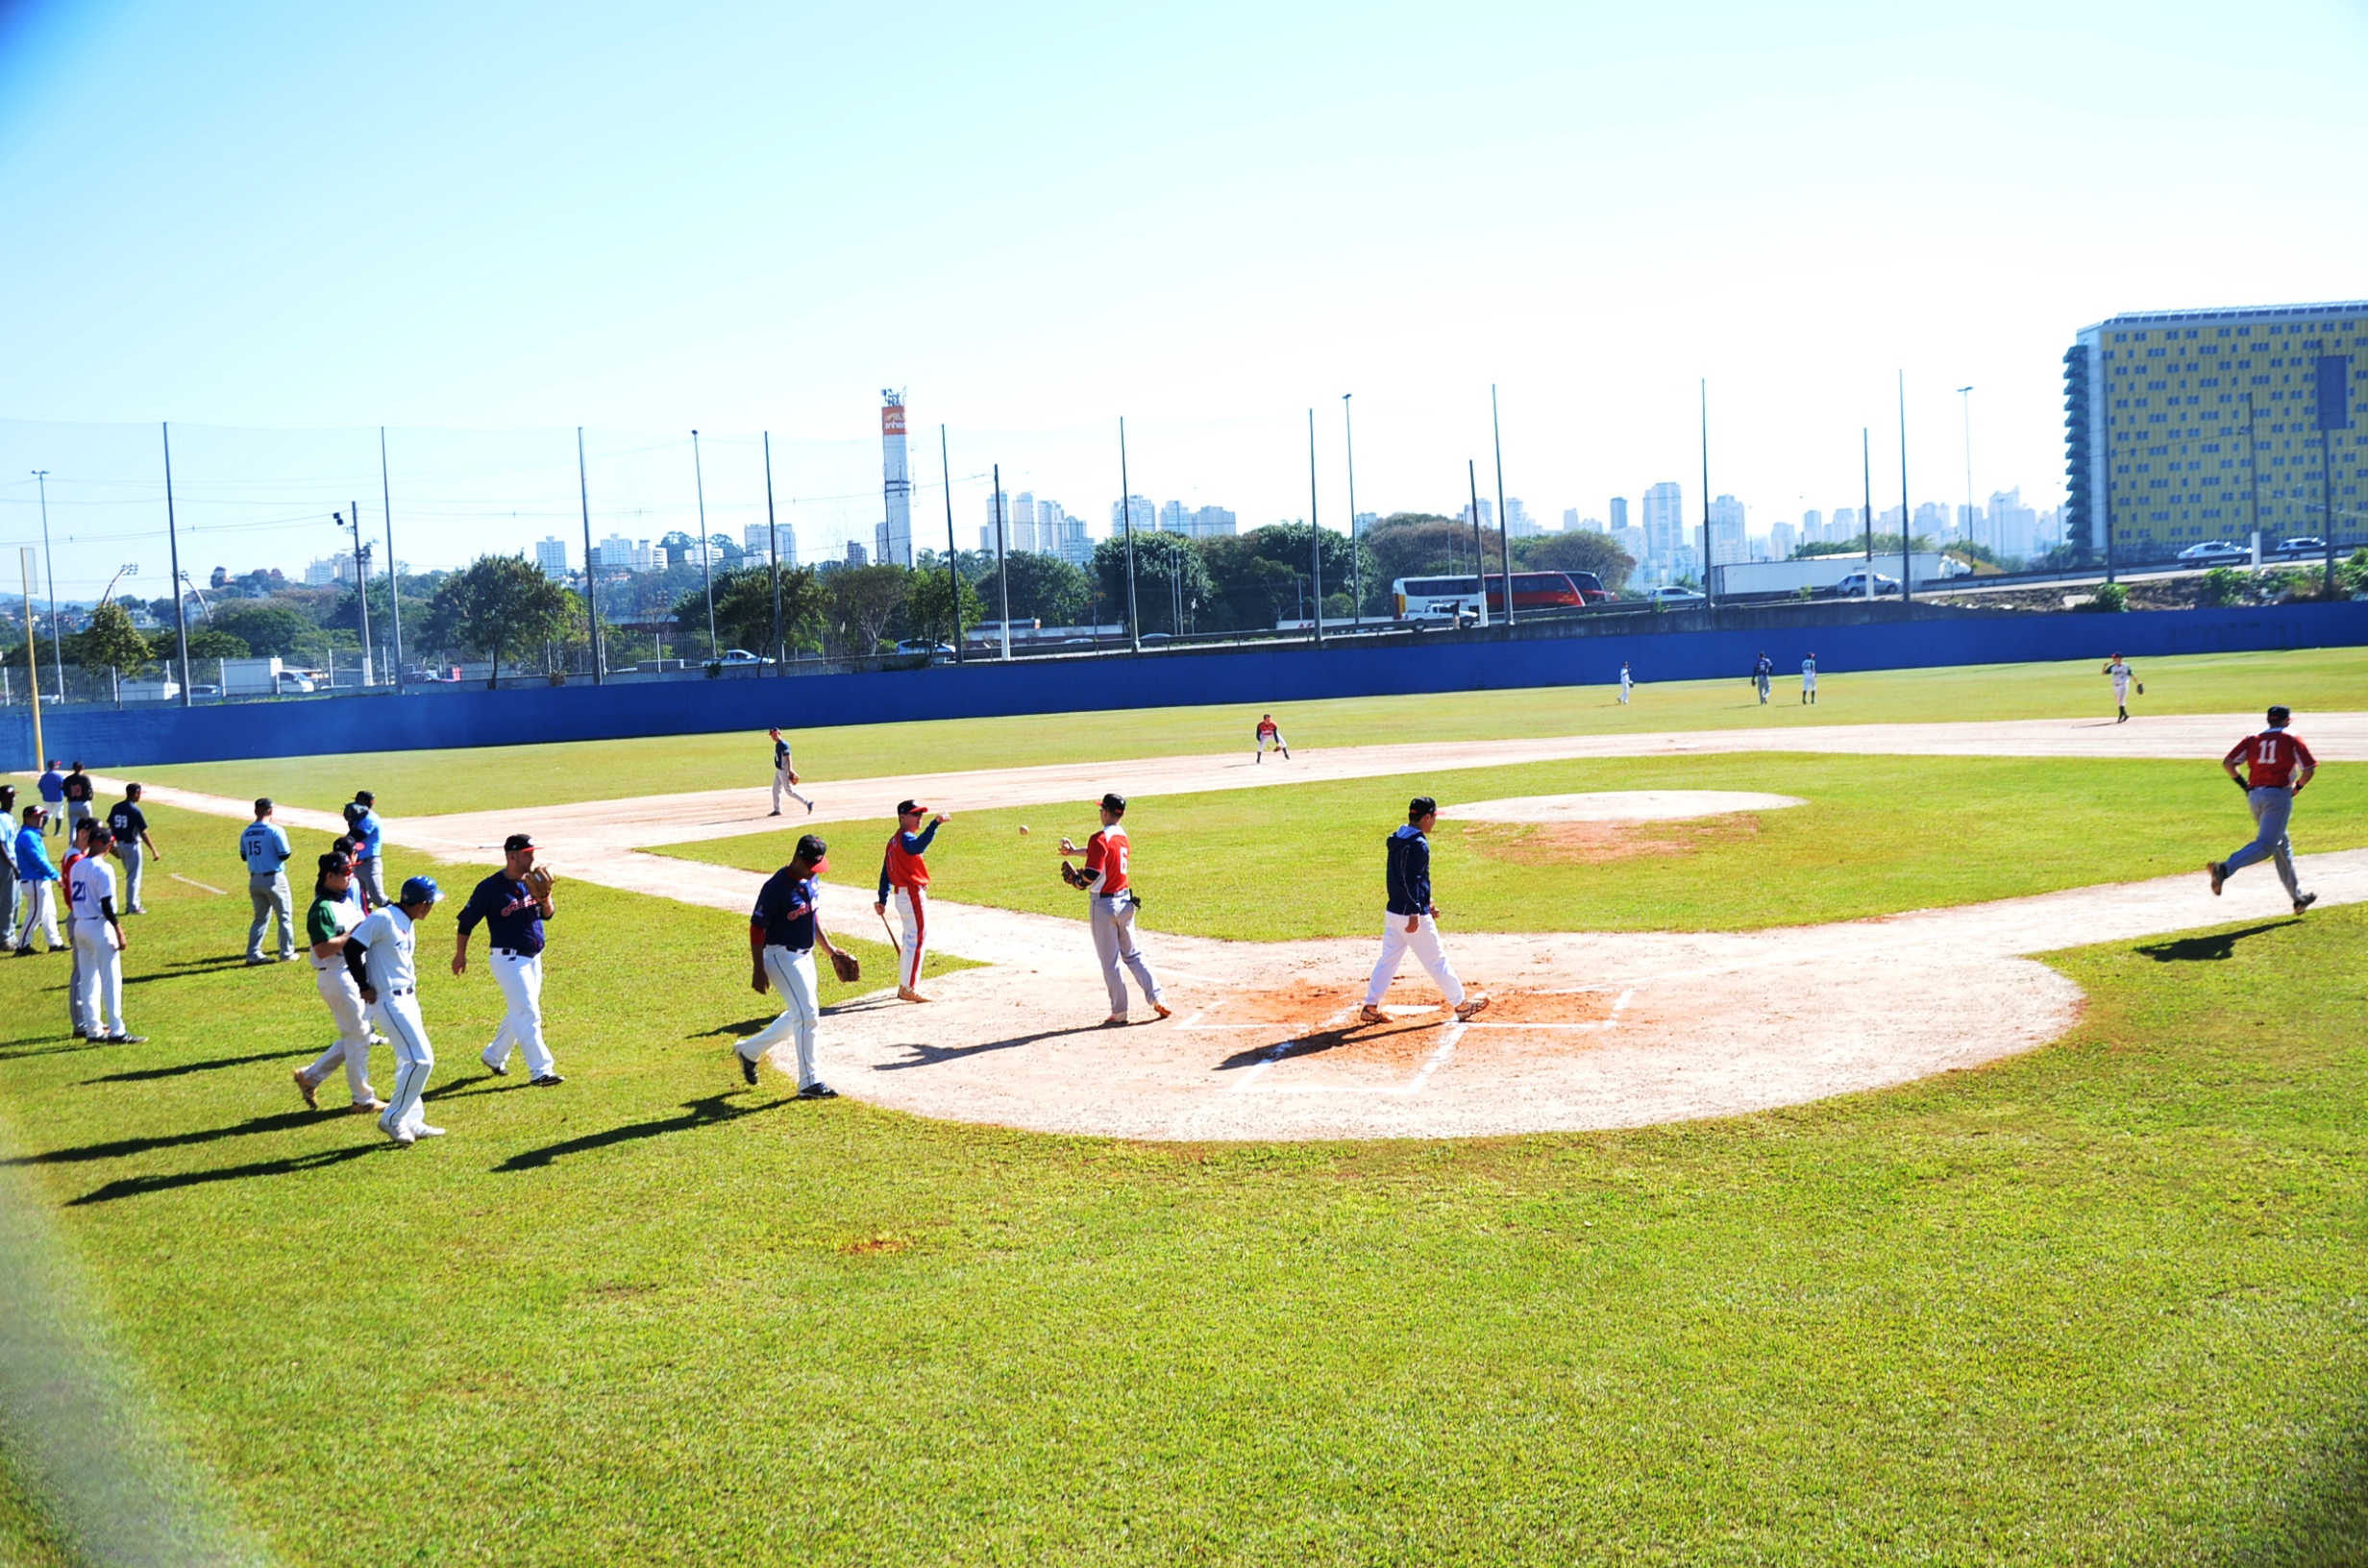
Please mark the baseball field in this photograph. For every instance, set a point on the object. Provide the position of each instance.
(2077, 1278)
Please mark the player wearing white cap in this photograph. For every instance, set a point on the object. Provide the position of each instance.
(327, 919)
(379, 953)
(514, 902)
(1107, 881)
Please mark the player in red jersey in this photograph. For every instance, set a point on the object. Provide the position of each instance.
(1269, 733)
(1111, 900)
(903, 880)
(2280, 765)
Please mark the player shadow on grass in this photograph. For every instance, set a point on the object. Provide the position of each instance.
(140, 1075)
(706, 1112)
(123, 1147)
(183, 968)
(18, 1053)
(133, 1187)
(2220, 944)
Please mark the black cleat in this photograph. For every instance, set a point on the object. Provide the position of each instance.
(2305, 902)
(748, 1068)
(817, 1090)
(549, 1080)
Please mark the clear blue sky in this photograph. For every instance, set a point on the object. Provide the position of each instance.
(1039, 218)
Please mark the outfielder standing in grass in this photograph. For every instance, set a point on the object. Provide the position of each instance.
(784, 930)
(327, 919)
(1413, 920)
(1809, 680)
(1111, 903)
(905, 881)
(2122, 676)
(786, 777)
(379, 952)
(2280, 765)
(514, 902)
(1762, 672)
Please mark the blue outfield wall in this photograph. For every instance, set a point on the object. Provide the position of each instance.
(1265, 677)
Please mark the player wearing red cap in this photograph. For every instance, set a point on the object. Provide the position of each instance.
(2280, 765)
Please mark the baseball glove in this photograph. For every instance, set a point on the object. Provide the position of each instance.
(2141, 688)
(843, 964)
(1074, 877)
(538, 881)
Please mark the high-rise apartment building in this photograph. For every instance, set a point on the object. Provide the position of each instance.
(551, 554)
(1727, 541)
(1518, 524)
(2186, 425)
(1136, 508)
(1667, 551)
(758, 540)
(2010, 527)
(1570, 519)
(1619, 513)
(1812, 527)
(1488, 513)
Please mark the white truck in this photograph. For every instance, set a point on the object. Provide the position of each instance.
(261, 677)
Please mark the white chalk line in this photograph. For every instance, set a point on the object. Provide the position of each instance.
(195, 883)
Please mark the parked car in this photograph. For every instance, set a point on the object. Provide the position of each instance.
(1854, 586)
(737, 657)
(2305, 546)
(205, 691)
(1672, 593)
(923, 644)
(2214, 552)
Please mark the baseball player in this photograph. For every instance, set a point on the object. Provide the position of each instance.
(904, 880)
(1110, 901)
(1809, 680)
(327, 919)
(52, 785)
(77, 846)
(98, 942)
(783, 930)
(1763, 671)
(8, 867)
(133, 844)
(2280, 765)
(1269, 732)
(514, 902)
(379, 954)
(1626, 684)
(363, 825)
(80, 793)
(34, 878)
(265, 849)
(785, 777)
(1413, 920)
(2122, 678)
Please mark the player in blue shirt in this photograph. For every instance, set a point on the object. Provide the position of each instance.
(52, 785)
(785, 928)
(1412, 919)
(513, 903)
(786, 777)
(266, 851)
(362, 820)
(35, 877)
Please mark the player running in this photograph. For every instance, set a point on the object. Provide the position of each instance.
(786, 777)
(1269, 732)
(328, 919)
(1413, 920)
(1111, 900)
(2122, 676)
(904, 880)
(2280, 765)
(379, 952)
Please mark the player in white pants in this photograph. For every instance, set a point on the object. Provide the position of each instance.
(786, 777)
(514, 902)
(1809, 680)
(1108, 882)
(1269, 733)
(785, 928)
(98, 941)
(1412, 919)
(2122, 676)
(35, 877)
(1626, 684)
(379, 952)
(905, 881)
(330, 917)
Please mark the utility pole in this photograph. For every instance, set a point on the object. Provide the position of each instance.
(1126, 510)
(33, 658)
(394, 569)
(1504, 518)
(1315, 530)
(1002, 564)
(1707, 603)
(1966, 393)
(1907, 533)
(773, 554)
(953, 551)
(1356, 566)
(591, 593)
(1479, 547)
(172, 534)
(49, 565)
(1866, 502)
(706, 572)
(362, 581)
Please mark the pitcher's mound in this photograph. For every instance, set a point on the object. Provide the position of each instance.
(1619, 806)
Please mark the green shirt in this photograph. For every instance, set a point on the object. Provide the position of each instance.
(327, 919)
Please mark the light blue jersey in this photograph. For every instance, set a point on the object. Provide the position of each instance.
(263, 848)
(366, 829)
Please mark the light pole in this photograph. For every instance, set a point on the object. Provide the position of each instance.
(361, 584)
(1708, 602)
(707, 574)
(172, 538)
(1504, 518)
(1907, 532)
(1356, 567)
(1314, 531)
(33, 656)
(49, 566)
(1126, 510)
(129, 569)
(953, 551)
(1966, 393)
(394, 568)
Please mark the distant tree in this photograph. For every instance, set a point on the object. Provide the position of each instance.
(1581, 549)
(213, 643)
(863, 601)
(268, 626)
(1043, 588)
(497, 604)
(1419, 544)
(744, 609)
(110, 638)
(1167, 568)
(931, 603)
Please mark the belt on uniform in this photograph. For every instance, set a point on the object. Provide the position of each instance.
(794, 952)
(518, 952)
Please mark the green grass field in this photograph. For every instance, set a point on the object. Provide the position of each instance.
(2099, 1304)
(1879, 836)
(426, 783)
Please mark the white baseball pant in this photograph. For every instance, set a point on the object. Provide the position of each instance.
(1113, 920)
(521, 979)
(414, 1058)
(337, 989)
(781, 786)
(41, 910)
(1423, 939)
(911, 905)
(98, 978)
(792, 973)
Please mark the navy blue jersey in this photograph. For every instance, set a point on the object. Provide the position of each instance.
(1409, 871)
(781, 755)
(512, 918)
(785, 908)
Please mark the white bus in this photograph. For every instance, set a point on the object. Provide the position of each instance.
(1452, 598)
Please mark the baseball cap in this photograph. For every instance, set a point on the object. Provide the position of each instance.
(1113, 801)
(363, 798)
(908, 808)
(99, 837)
(420, 890)
(774, 733)
(262, 803)
(336, 865)
(2280, 713)
(1421, 806)
(814, 852)
(516, 842)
